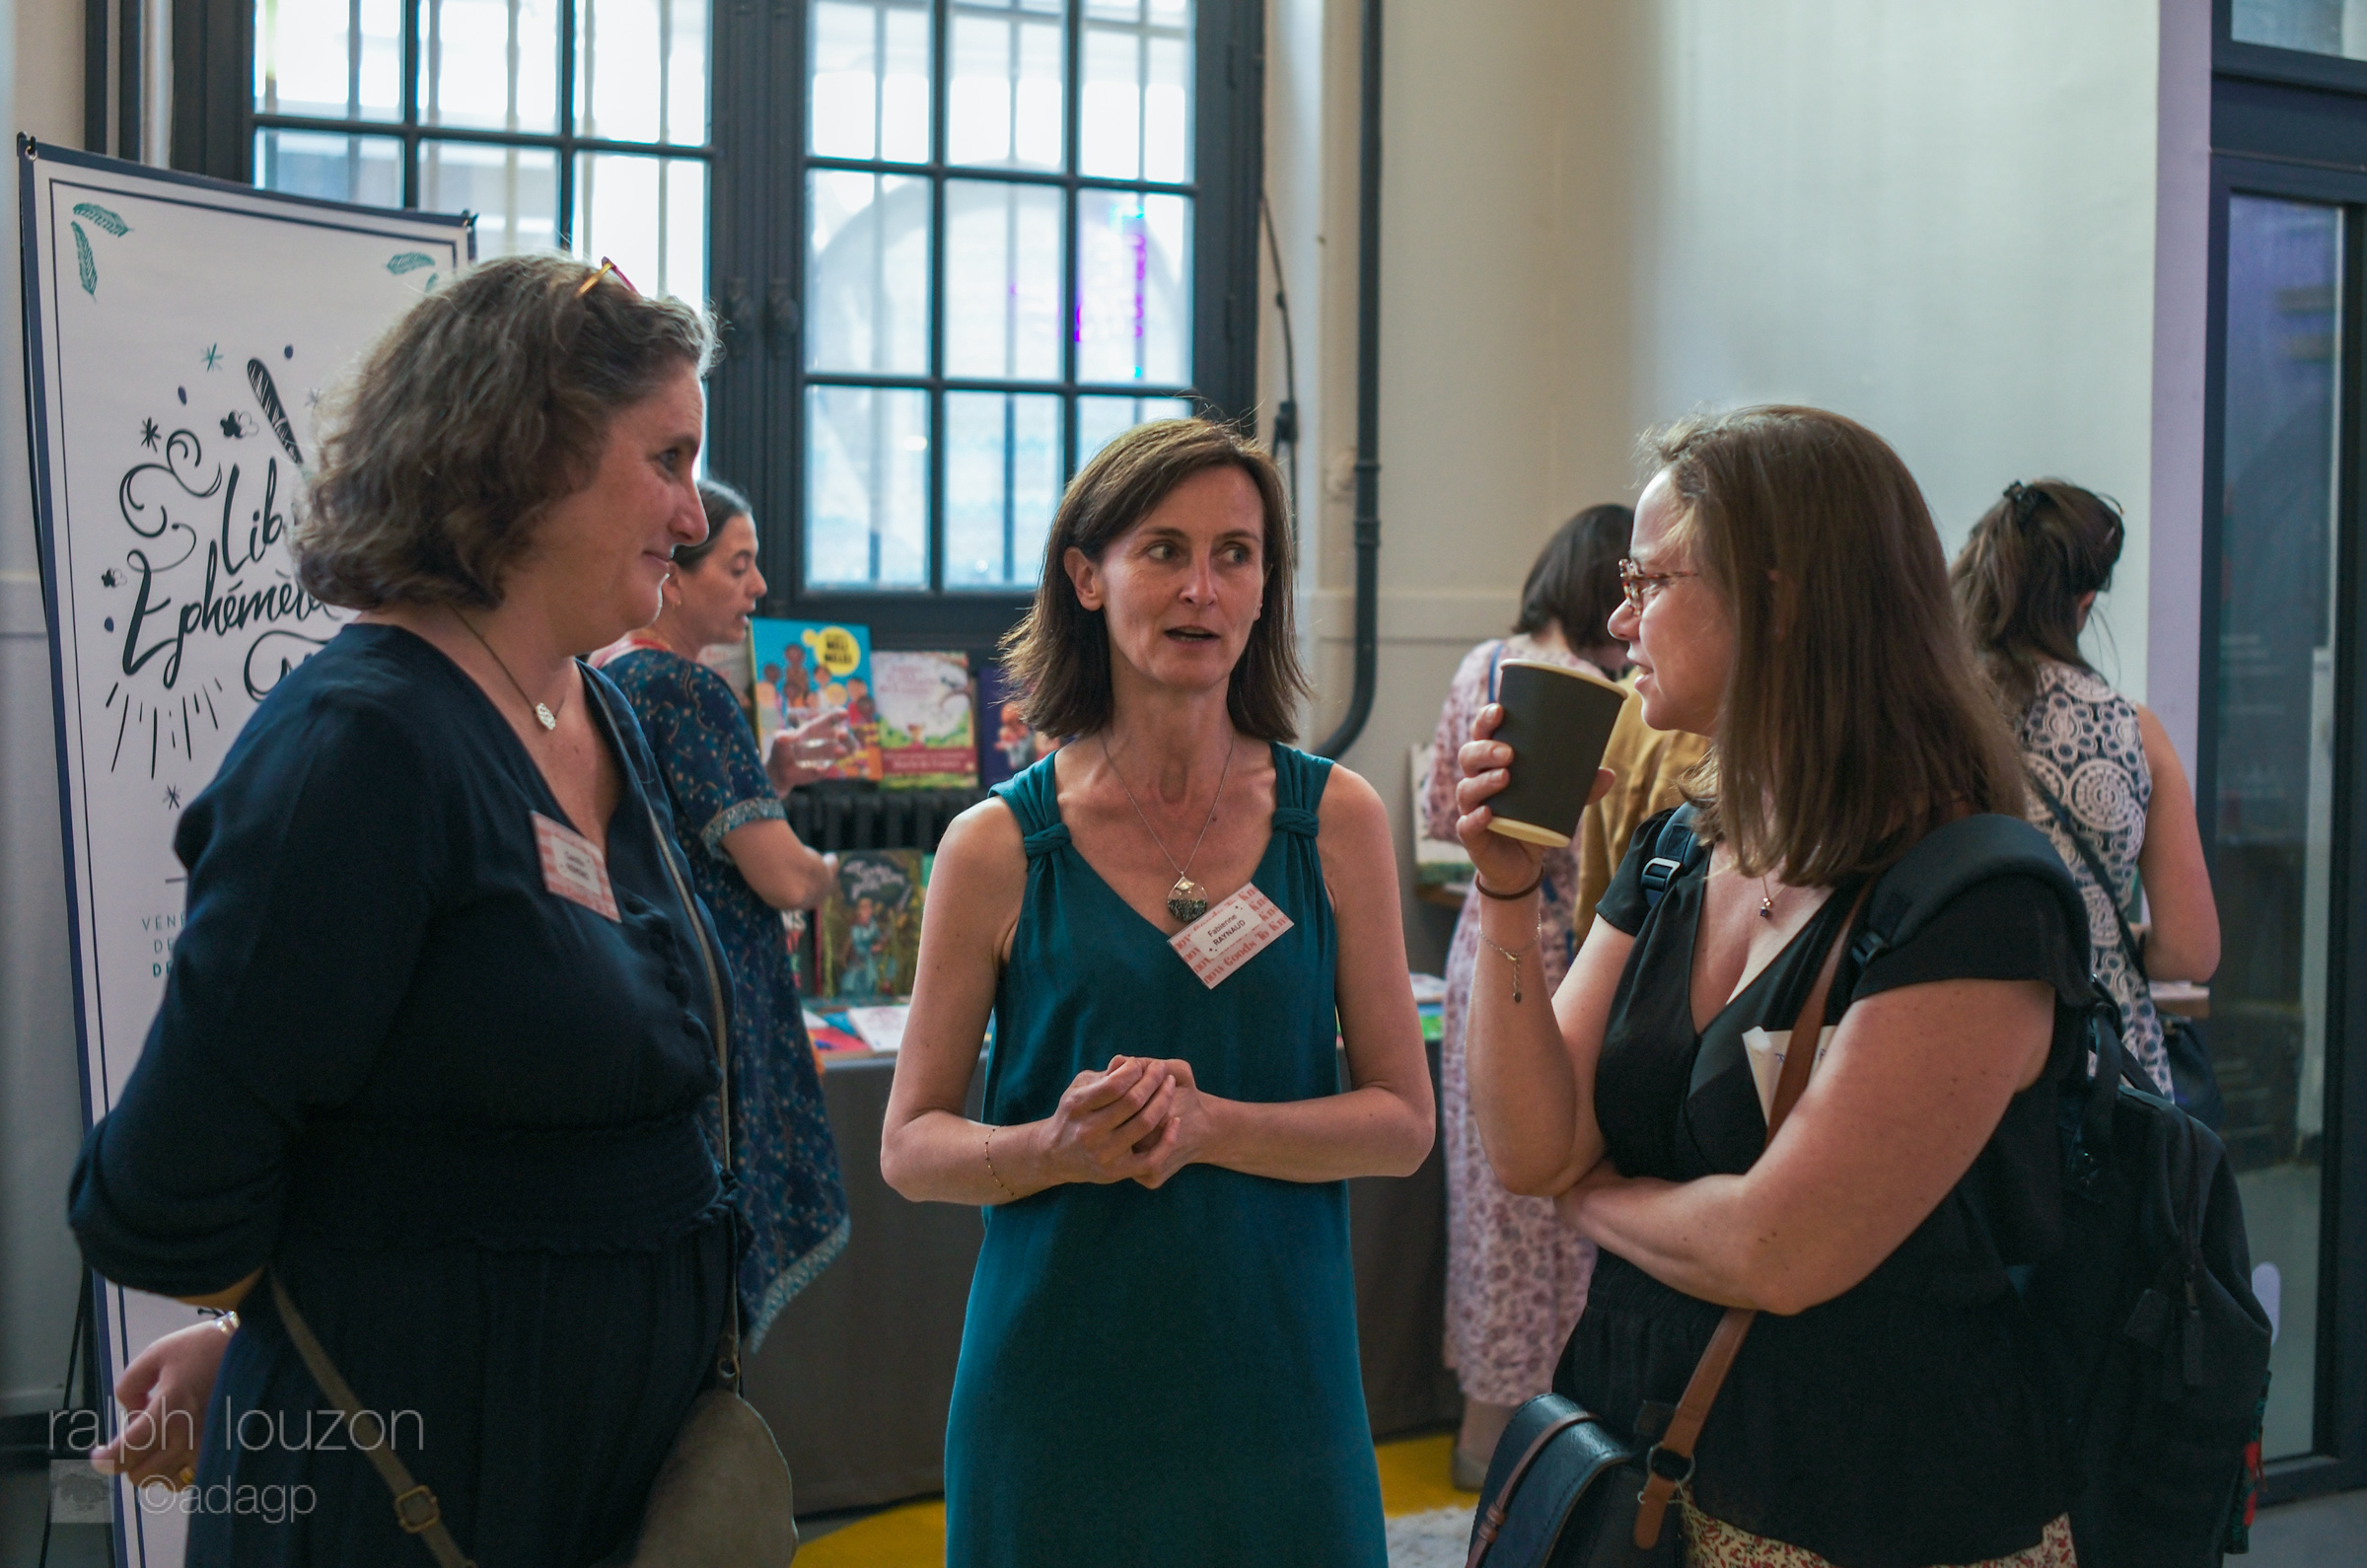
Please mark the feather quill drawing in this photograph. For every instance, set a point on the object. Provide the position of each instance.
(409, 261)
(266, 394)
(84, 262)
(102, 218)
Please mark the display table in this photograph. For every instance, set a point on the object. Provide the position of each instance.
(857, 1373)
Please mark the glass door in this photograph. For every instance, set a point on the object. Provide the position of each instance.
(2269, 825)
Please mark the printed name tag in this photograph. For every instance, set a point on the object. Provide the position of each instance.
(572, 868)
(1229, 935)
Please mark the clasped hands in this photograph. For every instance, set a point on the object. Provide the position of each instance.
(1140, 1120)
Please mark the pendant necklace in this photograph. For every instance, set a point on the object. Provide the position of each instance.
(1187, 901)
(1766, 901)
(543, 714)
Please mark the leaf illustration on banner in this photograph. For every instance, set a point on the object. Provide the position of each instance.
(82, 261)
(266, 396)
(409, 261)
(102, 218)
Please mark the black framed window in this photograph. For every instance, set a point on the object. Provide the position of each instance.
(953, 244)
(576, 124)
(2280, 785)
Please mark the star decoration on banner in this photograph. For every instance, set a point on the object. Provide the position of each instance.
(213, 355)
(150, 434)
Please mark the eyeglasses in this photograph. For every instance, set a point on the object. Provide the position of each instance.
(1642, 587)
(607, 266)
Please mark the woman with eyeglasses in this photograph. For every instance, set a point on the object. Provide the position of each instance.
(1516, 1275)
(2105, 783)
(1788, 597)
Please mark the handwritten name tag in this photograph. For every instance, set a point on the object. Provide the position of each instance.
(572, 868)
(1767, 1048)
(1229, 935)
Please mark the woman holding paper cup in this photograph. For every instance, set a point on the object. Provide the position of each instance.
(1786, 595)
(748, 866)
(1516, 1275)
(1168, 919)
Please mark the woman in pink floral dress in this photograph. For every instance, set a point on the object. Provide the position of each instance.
(1516, 1277)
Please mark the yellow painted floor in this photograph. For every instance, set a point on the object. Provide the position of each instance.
(1413, 1480)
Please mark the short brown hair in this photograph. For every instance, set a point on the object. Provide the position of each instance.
(2021, 575)
(1574, 583)
(1060, 652)
(485, 403)
(1854, 721)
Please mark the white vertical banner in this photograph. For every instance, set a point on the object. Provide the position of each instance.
(180, 333)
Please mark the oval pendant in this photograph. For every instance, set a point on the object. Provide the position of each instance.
(1187, 901)
(544, 718)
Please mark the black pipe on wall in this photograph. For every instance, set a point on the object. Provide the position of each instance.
(1368, 399)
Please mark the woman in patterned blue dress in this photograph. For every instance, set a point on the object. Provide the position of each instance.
(2025, 584)
(749, 866)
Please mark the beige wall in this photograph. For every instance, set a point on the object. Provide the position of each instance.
(1938, 220)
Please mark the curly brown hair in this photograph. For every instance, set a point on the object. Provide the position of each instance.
(484, 404)
(1059, 652)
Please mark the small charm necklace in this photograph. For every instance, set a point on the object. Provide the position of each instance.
(543, 714)
(1766, 901)
(1187, 901)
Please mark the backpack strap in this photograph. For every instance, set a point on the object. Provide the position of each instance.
(1674, 851)
(1948, 860)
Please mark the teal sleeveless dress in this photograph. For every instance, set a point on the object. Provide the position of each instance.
(1169, 1379)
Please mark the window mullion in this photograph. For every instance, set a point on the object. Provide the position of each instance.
(939, 98)
(1072, 139)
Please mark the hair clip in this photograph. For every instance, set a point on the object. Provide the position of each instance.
(607, 266)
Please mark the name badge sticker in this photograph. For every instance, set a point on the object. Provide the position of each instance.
(1229, 935)
(572, 868)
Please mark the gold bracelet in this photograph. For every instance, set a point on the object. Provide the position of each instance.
(1514, 956)
(992, 1172)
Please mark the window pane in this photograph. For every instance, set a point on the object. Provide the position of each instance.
(866, 487)
(311, 59)
(490, 64)
(868, 273)
(366, 169)
(1133, 306)
(1002, 280)
(2320, 26)
(648, 215)
(1003, 105)
(1002, 480)
(2275, 749)
(1102, 420)
(870, 79)
(1137, 93)
(641, 70)
(514, 191)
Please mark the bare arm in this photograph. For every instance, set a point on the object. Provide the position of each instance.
(929, 1150)
(1914, 1085)
(2182, 941)
(784, 873)
(1531, 1066)
(1384, 1122)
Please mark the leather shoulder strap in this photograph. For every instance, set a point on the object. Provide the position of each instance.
(415, 1507)
(1709, 1374)
(1493, 1520)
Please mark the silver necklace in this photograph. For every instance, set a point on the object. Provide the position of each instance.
(543, 714)
(1187, 901)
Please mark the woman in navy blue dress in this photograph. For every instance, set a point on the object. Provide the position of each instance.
(439, 1025)
(748, 867)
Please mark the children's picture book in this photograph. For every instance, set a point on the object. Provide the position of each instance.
(797, 931)
(926, 738)
(832, 1039)
(869, 936)
(1006, 746)
(804, 667)
(880, 1027)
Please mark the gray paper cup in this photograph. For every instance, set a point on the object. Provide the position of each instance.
(1558, 721)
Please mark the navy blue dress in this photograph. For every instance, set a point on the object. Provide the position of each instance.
(457, 1114)
(790, 1195)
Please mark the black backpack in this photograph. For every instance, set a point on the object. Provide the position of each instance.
(2144, 1319)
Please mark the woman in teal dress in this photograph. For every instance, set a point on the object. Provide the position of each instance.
(748, 867)
(1159, 1366)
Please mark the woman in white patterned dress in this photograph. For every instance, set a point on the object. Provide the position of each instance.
(2025, 583)
(1516, 1275)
